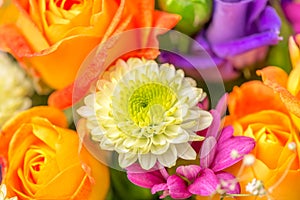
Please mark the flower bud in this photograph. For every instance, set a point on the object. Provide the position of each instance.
(194, 13)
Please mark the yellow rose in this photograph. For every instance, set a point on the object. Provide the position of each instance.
(54, 37)
(257, 112)
(43, 160)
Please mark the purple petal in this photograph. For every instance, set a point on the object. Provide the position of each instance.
(228, 21)
(178, 187)
(143, 178)
(223, 159)
(255, 9)
(205, 185)
(269, 20)
(230, 184)
(207, 152)
(190, 171)
(244, 44)
(197, 61)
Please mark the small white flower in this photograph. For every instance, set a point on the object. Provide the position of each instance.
(146, 112)
(256, 187)
(3, 193)
(14, 88)
(249, 160)
(292, 146)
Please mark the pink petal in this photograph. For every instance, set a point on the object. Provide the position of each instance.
(223, 159)
(178, 187)
(143, 178)
(205, 185)
(208, 151)
(213, 130)
(222, 105)
(231, 181)
(159, 187)
(190, 171)
(226, 133)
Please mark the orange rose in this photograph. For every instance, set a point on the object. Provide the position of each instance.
(54, 37)
(42, 160)
(257, 112)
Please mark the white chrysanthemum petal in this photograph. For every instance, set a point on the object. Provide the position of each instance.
(15, 88)
(147, 160)
(182, 137)
(85, 111)
(185, 151)
(159, 149)
(204, 120)
(159, 140)
(3, 191)
(106, 144)
(169, 158)
(145, 110)
(127, 159)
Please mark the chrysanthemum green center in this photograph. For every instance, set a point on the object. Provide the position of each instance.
(148, 103)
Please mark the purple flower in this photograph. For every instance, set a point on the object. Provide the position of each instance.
(238, 36)
(291, 10)
(207, 177)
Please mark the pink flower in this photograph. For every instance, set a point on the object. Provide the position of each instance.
(207, 177)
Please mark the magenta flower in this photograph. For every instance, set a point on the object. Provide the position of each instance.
(237, 36)
(291, 10)
(206, 178)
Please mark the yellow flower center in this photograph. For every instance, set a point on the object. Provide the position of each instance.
(149, 102)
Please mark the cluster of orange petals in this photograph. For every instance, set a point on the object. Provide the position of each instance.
(52, 38)
(269, 111)
(42, 159)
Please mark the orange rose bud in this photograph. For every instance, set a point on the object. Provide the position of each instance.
(43, 160)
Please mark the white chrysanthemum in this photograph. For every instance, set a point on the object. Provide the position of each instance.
(14, 88)
(146, 113)
(3, 193)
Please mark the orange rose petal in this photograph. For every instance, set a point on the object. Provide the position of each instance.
(45, 131)
(61, 99)
(60, 74)
(115, 21)
(8, 13)
(165, 20)
(279, 177)
(54, 115)
(98, 172)
(13, 41)
(107, 18)
(55, 187)
(31, 32)
(94, 67)
(84, 190)
(291, 102)
(244, 100)
(65, 151)
(274, 74)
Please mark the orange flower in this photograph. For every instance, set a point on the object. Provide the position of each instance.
(287, 86)
(42, 160)
(257, 112)
(53, 37)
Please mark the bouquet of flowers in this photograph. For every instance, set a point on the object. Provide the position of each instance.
(146, 100)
